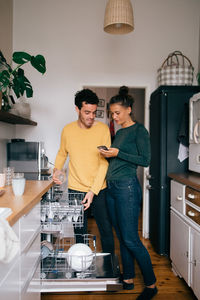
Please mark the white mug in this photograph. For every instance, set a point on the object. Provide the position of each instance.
(2, 180)
(18, 184)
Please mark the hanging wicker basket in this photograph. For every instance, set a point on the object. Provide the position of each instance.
(176, 70)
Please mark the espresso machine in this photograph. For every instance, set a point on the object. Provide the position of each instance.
(28, 158)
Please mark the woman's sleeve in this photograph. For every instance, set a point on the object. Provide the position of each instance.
(143, 156)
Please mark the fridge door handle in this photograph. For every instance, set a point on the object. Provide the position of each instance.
(149, 187)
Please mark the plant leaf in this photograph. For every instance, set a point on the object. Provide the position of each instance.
(4, 79)
(39, 63)
(21, 84)
(2, 58)
(21, 57)
(3, 63)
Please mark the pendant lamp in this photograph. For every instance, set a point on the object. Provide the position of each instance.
(118, 17)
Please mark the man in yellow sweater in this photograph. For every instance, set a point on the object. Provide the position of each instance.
(87, 167)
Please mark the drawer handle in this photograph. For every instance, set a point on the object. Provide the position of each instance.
(191, 196)
(179, 198)
(191, 213)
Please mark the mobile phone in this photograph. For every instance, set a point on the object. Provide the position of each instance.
(102, 147)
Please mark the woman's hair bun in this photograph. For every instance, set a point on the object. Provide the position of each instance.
(123, 90)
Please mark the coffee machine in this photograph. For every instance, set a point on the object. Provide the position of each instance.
(28, 158)
(194, 133)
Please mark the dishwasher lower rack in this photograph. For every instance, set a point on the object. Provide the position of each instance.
(67, 262)
(63, 208)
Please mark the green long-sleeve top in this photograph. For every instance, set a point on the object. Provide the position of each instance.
(133, 143)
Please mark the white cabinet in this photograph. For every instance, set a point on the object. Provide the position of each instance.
(195, 262)
(10, 275)
(179, 246)
(15, 277)
(185, 234)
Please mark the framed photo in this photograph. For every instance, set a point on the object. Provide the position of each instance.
(101, 103)
(99, 113)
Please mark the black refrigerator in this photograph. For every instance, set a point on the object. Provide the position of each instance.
(169, 111)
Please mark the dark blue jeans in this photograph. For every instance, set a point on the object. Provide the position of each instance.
(100, 212)
(124, 203)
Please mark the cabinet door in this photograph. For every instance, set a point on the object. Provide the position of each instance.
(195, 262)
(179, 245)
(10, 286)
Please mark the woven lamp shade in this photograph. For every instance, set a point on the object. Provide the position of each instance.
(118, 17)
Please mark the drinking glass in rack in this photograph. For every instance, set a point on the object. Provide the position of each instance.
(9, 172)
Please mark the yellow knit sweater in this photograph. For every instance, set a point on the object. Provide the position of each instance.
(87, 168)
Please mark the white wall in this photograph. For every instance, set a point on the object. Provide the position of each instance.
(69, 33)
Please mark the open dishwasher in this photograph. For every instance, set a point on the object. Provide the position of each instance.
(69, 261)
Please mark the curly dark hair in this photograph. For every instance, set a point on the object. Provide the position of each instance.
(87, 96)
(123, 98)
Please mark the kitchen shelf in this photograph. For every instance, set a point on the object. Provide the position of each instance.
(13, 119)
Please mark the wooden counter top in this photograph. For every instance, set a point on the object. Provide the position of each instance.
(191, 179)
(21, 205)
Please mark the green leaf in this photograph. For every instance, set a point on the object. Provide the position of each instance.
(21, 84)
(2, 58)
(21, 57)
(4, 78)
(39, 63)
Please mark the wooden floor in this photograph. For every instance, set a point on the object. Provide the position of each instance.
(169, 286)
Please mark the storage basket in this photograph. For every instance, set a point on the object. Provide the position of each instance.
(176, 70)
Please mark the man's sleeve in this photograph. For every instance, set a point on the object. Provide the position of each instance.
(103, 165)
(62, 152)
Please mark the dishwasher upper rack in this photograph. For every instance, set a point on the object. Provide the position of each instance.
(58, 264)
(64, 208)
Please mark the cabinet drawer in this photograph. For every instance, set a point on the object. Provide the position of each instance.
(28, 226)
(192, 196)
(193, 214)
(177, 196)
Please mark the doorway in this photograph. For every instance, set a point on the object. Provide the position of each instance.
(139, 94)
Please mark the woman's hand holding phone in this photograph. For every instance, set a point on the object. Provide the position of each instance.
(111, 152)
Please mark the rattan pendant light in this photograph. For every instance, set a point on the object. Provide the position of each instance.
(118, 17)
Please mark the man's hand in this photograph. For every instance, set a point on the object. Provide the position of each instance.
(88, 200)
(58, 176)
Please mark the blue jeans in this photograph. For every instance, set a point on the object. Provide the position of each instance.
(124, 203)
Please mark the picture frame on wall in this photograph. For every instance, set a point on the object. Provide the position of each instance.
(99, 113)
(101, 103)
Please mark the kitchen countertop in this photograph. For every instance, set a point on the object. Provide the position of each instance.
(21, 205)
(190, 178)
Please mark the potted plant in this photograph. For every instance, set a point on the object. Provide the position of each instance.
(12, 78)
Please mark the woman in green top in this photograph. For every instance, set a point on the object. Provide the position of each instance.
(130, 149)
